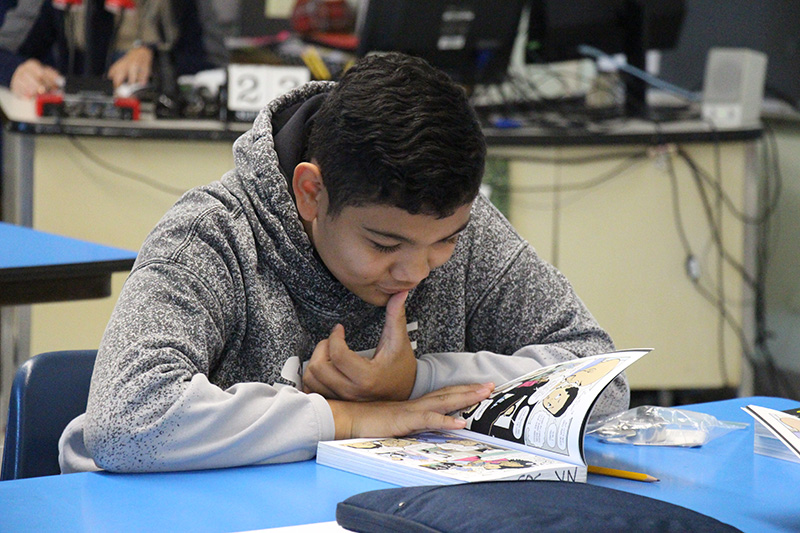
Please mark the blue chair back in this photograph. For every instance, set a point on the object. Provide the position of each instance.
(49, 390)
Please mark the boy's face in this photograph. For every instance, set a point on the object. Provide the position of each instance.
(376, 250)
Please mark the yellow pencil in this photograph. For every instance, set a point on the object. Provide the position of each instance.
(315, 63)
(613, 472)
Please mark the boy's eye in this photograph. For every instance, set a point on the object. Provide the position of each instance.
(383, 248)
(453, 239)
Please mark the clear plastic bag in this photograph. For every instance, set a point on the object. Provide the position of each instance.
(649, 425)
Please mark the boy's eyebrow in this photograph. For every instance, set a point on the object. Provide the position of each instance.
(401, 238)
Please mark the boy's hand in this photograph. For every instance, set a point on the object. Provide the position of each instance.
(338, 373)
(395, 419)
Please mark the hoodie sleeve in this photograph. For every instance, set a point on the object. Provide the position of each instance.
(151, 406)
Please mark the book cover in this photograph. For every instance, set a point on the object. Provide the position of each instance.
(778, 432)
(529, 428)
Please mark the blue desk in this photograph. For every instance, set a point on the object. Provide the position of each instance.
(40, 267)
(724, 479)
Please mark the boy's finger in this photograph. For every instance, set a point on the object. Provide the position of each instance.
(336, 339)
(412, 422)
(346, 361)
(323, 377)
(320, 373)
(311, 384)
(432, 409)
(456, 397)
(394, 329)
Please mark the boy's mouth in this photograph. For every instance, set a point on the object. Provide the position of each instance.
(394, 290)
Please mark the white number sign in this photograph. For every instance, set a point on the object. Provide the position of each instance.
(251, 87)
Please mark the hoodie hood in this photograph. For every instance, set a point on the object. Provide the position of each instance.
(265, 158)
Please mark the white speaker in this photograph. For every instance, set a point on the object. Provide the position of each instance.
(733, 87)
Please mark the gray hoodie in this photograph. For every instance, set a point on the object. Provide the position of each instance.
(201, 361)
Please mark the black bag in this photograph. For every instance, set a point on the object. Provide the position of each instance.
(514, 506)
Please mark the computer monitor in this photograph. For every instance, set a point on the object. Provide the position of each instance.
(557, 28)
(769, 26)
(471, 40)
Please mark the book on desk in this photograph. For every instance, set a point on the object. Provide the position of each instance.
(777, 433)
(530, 428)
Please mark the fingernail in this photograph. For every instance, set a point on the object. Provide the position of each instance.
(486, 387)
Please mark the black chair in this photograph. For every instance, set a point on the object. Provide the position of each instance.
(49, 390)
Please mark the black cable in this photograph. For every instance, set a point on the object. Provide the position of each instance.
(676, 209)
(718, 302)
(757, 219)
(134, 176)
(756, 282)
(771, 161)
(716, 235)
(721, 264)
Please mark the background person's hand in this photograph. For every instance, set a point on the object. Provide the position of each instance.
(32, 78)
(396, 419)
(337, 372)
(134, 67)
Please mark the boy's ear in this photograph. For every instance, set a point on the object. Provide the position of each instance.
(307, 186)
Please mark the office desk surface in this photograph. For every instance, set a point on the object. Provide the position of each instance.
(724, 479)
(20, 115)
(236, 499)
(42, 267)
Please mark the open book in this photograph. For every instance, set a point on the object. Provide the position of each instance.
(529, 428)
(778, 434)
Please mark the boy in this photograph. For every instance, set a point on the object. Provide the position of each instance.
(344, 280)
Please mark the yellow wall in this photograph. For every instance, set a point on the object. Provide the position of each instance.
(77, 197)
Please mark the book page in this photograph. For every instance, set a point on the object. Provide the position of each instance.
(441, 457)
(784, 426)
(547, 409)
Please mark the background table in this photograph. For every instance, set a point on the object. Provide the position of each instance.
(724, 479)
(40, 267)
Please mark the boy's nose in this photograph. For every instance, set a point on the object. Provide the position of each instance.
(412, 270)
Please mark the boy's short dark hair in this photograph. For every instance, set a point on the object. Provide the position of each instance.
(396, 131)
